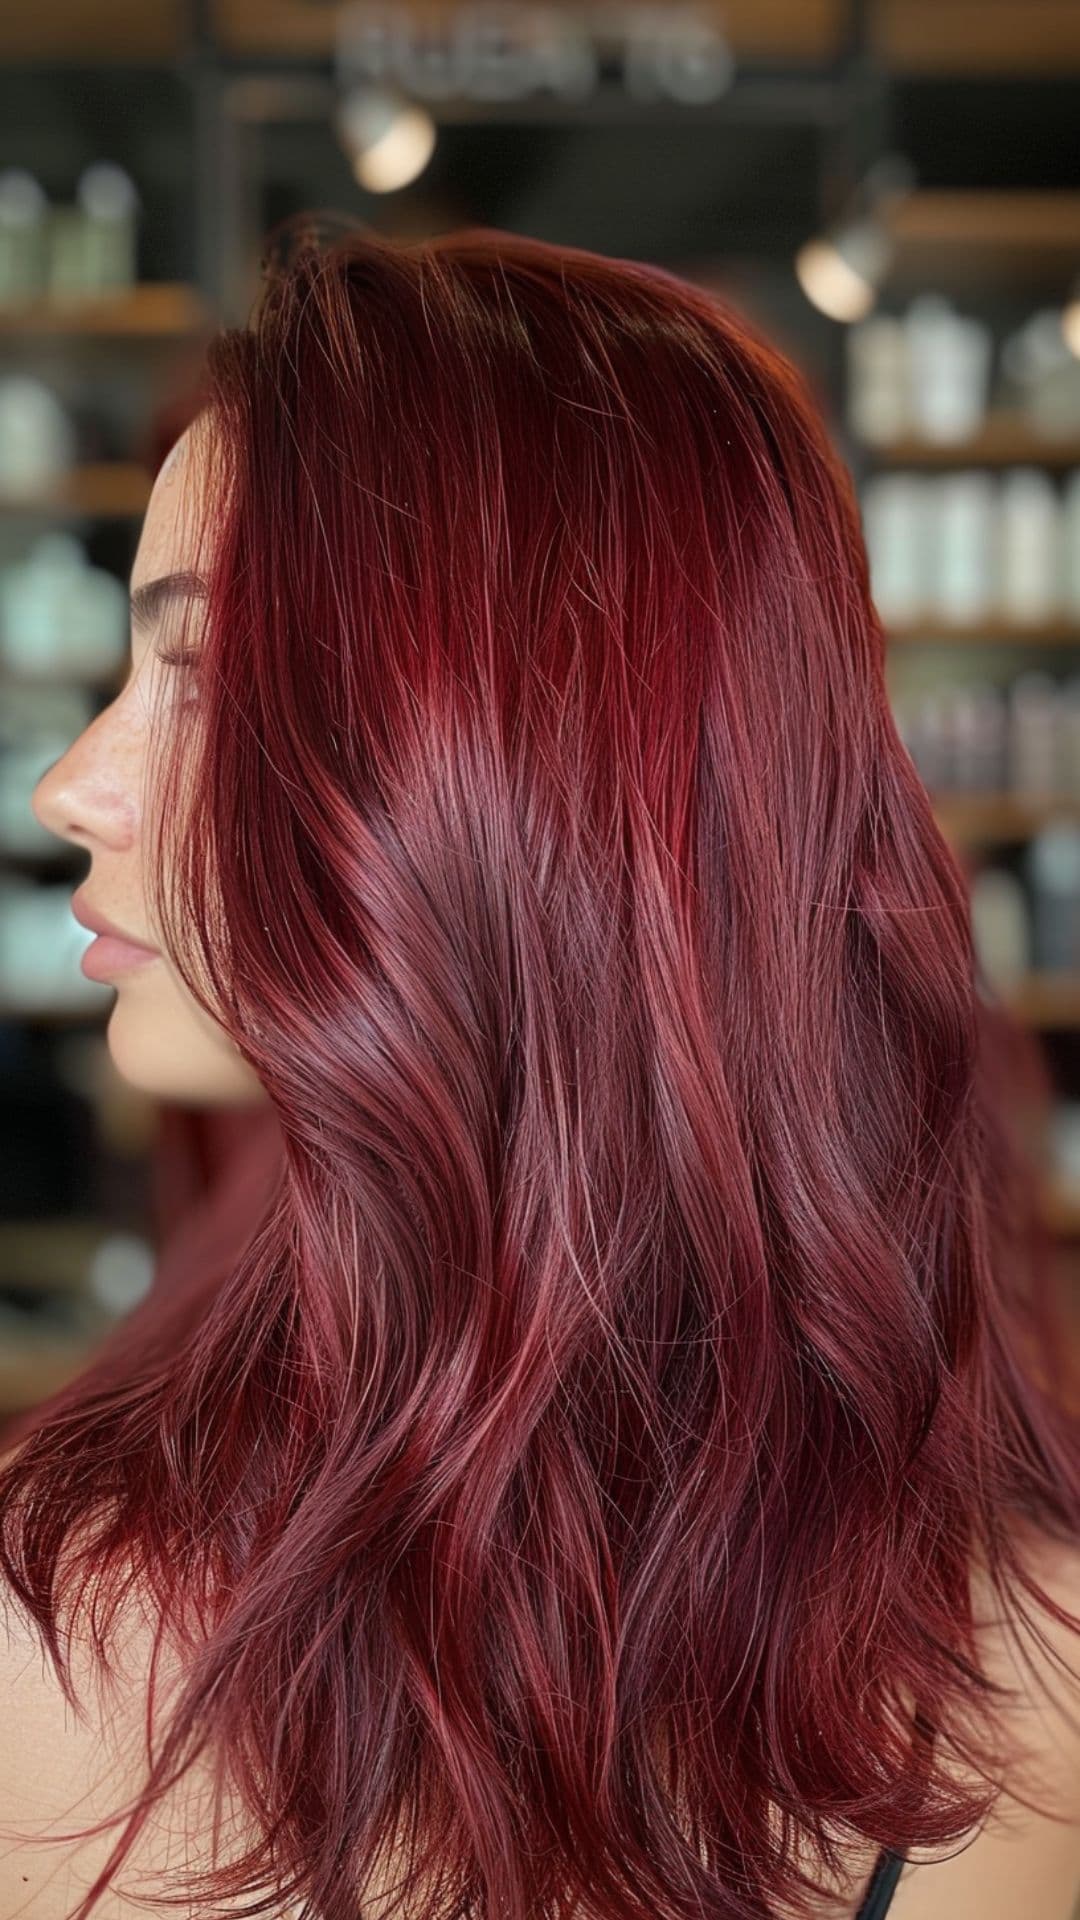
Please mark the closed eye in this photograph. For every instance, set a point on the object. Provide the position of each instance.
(187, 660)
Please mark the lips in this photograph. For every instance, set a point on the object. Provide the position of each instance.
(106, 957)
(96, 922)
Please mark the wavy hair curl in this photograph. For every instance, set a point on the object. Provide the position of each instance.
(567, 1474)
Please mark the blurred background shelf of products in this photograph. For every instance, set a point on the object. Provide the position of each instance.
(891, 188)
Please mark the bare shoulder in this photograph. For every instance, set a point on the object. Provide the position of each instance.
(62, 1769)
(1021, 1861)
(51, 1780)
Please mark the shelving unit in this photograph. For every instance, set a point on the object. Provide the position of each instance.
(1061, 1211)
(51, 1259)
(979, 239)
(151, 310)
(30, 1370)
(1048, 1001)
(1005, 440)
(962, 241)
(980, 633)
(151, 320)
(995, 818)
(101, 490)
(152, 313)
(976, 246)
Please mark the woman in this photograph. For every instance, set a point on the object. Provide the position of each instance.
(604, 1462)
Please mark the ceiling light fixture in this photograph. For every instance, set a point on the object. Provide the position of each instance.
(389, 138)
(841, 270)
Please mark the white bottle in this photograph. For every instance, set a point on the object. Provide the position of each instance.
(24, 209)
(109, 203)
(1029, 546)
(963, 519)
(37, 438)
(878, 398)
(950, 357)
(58, 615)
(897, 535)
(1001, 928)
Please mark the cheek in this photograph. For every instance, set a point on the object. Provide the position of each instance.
(168, 758)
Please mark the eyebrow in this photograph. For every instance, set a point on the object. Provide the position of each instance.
(148, 601)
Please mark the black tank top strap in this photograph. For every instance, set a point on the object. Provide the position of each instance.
(877, 1899)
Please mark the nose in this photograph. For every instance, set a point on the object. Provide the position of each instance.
(86, 796)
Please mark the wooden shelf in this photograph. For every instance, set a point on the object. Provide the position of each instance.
(30, 1370)
(1000, 816)
(1006, 439)
(964, 240)
(1061, 1210)
(1046, 1000)
(50, 1255)
(70, 30)
(153, 310)
(979, 633)
(785, 31)
(965, 38)
(986, 218)
(107, 489)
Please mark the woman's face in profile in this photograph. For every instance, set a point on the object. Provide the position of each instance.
(159, 1038)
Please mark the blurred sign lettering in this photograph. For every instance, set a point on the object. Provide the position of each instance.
(498, 50)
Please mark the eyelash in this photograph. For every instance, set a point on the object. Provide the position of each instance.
(186, 659)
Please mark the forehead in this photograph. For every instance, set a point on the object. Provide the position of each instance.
(168, 539)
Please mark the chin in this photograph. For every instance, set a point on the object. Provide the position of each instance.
(174, 1059)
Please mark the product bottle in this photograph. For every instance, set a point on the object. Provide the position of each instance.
(1030, 533)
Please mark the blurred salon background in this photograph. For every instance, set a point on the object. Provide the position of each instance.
(890, 187)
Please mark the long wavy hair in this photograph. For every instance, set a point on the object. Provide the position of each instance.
(566, 1474)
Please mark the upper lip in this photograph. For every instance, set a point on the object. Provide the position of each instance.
(95, 922)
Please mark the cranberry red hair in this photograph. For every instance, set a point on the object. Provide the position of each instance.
(569, 1470)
